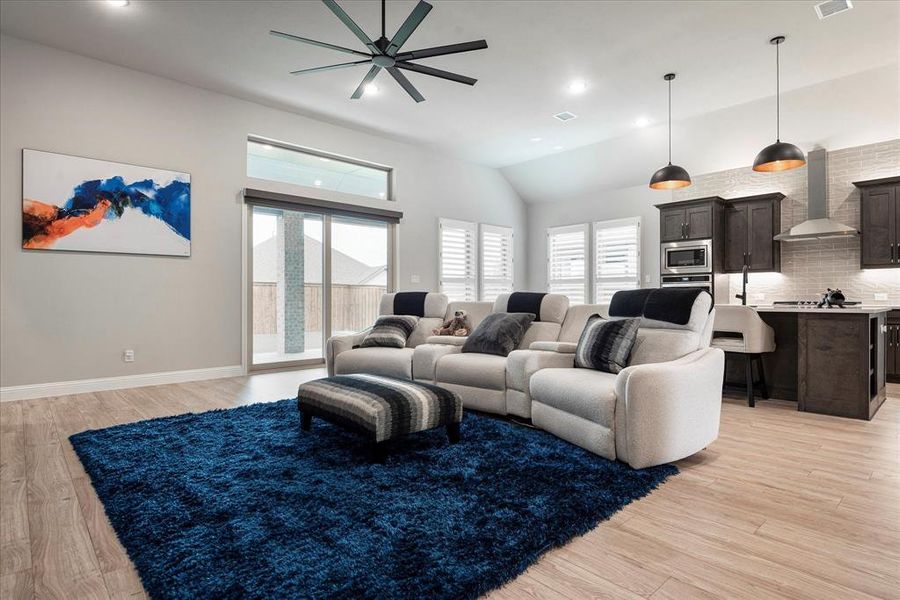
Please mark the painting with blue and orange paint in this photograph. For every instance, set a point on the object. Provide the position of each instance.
(83, 204)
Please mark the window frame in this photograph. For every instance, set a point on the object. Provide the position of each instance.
(585, 230)
(596, 228)
(506, 232)
(388, 170)
(472, 228)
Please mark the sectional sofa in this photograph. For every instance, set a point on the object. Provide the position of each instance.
(663, 407)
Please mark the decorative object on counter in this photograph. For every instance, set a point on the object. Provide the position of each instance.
(89, 205)
(779, 156)
(670, 176)
(384, 53)
(832, 298)
(816, 303)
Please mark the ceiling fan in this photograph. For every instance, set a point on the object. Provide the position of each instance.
(385, 54)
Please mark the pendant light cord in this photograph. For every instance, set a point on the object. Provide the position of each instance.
(383, 2)
(778, 92)
(670, 121)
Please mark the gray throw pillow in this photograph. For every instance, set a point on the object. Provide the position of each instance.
(606, 345)
(498, 333)
(390, 331)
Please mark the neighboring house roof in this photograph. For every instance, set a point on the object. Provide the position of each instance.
(345, 270)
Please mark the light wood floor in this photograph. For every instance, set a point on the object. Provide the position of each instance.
(783, 505)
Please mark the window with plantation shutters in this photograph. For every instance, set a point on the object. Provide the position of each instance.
(567, 261)
(496, 265)
(458, 259)
(617, 257)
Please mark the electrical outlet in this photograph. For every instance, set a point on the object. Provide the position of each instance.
(128, 355)
(415, 279)
(646, 279)
(881, 296)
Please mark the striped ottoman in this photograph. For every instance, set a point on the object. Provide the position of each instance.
(381, 408)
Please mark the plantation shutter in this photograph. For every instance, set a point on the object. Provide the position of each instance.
(496, 261)
(458, 260)
(567, 262)
(617, 257)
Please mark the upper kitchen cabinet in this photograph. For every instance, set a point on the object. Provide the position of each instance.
(688, 220)
(879, 223)
(751, 223)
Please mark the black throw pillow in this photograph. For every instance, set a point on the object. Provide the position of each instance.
(606, 345)
(498, 333)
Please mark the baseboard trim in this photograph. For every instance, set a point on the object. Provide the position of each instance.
(81, 386)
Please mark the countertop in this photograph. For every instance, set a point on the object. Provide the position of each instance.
(868, 310)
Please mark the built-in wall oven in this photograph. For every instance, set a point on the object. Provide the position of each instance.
(704, 281)
(679, 258)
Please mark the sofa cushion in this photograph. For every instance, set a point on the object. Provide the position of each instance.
(606, 345)
(499, 333)
(424, 330)
(475, 370)
(539, 332)
(576, 319)
(662, 345)
(475, 312)
(392, 362)
(586, 393)
(390, 331)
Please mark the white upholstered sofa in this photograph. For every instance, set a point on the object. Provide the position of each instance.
(664, 406)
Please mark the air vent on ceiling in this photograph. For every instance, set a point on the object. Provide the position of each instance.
(565, 116)
(832, 7)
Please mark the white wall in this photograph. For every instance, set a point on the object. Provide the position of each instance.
(597, 206)
(68, 316)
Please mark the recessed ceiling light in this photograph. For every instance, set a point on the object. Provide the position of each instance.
(578, 86)
(642, 121)
(317, 182)
(371, 89)
(557, 147)
(536, 139)
(117, 3)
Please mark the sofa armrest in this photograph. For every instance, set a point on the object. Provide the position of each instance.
(426, 357)
(341, 343)
(561, 347)
(446, 340)
(670, 410)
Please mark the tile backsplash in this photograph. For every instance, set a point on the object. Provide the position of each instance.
(807, 268)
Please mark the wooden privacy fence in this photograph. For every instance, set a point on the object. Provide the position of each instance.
(353, 307)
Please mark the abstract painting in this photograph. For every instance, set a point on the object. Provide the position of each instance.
(88, 205)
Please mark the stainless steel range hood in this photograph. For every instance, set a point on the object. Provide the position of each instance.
(817, 226)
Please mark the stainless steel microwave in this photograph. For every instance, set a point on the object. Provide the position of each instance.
(677, 258)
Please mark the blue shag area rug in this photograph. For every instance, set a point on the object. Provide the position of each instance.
(241, 503)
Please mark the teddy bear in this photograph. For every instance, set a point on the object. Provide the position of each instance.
(455, 326)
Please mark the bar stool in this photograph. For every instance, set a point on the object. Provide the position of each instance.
(740, 330)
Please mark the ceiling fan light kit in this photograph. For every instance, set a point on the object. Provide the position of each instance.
(385, 53)
(779, 156)
(671, 176)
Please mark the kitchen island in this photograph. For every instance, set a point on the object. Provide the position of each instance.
(829, 360)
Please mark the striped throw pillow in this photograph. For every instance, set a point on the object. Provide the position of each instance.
(390, 331)
(606, 345)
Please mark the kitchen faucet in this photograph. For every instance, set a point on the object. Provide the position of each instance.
(745, 275)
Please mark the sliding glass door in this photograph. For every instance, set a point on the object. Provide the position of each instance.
(312, 275)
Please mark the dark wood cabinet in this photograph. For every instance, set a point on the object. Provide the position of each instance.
(892, 354)
(686, 221)
(879, 222)
(751, 223)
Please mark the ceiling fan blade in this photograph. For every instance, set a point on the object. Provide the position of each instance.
(351, 25)
(442, 50)
(436, 72)
(405, 84)
(297, 38)
(414, 19)
(331, 67)
(366, 81)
